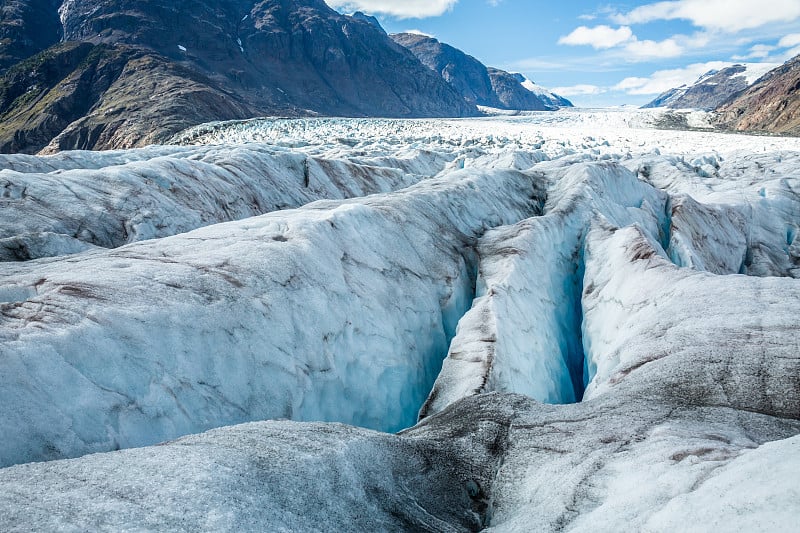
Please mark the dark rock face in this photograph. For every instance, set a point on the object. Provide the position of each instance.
(359, 15)
(79, 95)
(709, 92)
(512, 94)
(203, 60)
(465, 73)
(771, 104)
(26, 28)
(41, 96)
(551, 100)
(478, 84)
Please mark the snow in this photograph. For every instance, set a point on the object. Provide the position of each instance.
(624, 468)
(754, 71)
(755, 499)
(547, 96)
(598, 319)
(642, 309)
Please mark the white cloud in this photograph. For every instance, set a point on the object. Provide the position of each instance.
(758, 51)
(637, 50)
(598, 37)
(789, 54)
(789, 41)
(578, 90)
(723, 15)
(402, 9)
(786, 48)
(627, 46)
(663, 80)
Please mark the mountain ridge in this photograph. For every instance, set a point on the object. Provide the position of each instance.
(479, 84)
(772, 104)
(215, 61)
(711, 89)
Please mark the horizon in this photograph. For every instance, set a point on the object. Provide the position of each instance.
(601, 54)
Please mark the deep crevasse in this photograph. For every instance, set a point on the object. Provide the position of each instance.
(304, 314)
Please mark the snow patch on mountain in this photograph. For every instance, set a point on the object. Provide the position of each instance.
(713, 88)
(546, 95)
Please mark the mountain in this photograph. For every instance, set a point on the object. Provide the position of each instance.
(772, 104)
(360, 15)
(26, 28)
(130, 73)
(712, 88)
(549, 98)
(479, 84)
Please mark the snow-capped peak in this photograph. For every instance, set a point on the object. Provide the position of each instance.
(541, 92)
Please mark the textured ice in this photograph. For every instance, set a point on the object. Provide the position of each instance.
(70, 202)
(523, 331)
(640, 309)
(553, 258)
(287, 315)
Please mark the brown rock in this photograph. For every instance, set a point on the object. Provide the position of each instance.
(770, 105)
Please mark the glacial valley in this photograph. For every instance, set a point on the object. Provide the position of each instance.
(554, 321)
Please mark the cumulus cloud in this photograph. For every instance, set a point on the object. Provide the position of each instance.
(790, 41)
(786, 48)
(664, 80)
(758, 51)
(722, 15)
(637, 50)
(404, 9)
(598, 37)
(629, 46)
(578, 90)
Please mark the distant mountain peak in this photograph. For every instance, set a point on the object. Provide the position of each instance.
(209, 59)
(712, 88)
(360, 15)
(480, 85)
(552, 98)
(771, 103)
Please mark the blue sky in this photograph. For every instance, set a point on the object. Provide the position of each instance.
(602, 53)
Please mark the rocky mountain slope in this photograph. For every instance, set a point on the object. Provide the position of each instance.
(772, 104)
(711, 89)
(549, 98)
(131, 73)
(26, 28)
(480, 85)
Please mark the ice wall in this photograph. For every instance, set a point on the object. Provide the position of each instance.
(74, 201)
(339, 311)
(523, 333)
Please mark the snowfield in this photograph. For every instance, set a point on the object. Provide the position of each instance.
(585, 323)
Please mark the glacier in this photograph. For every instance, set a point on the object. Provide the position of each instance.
(553, 321)
(74, 201)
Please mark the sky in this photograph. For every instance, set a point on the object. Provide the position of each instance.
(601, 54)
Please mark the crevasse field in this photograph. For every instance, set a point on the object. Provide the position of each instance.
(576, 322)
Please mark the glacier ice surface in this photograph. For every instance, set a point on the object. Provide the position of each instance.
(547, 258)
